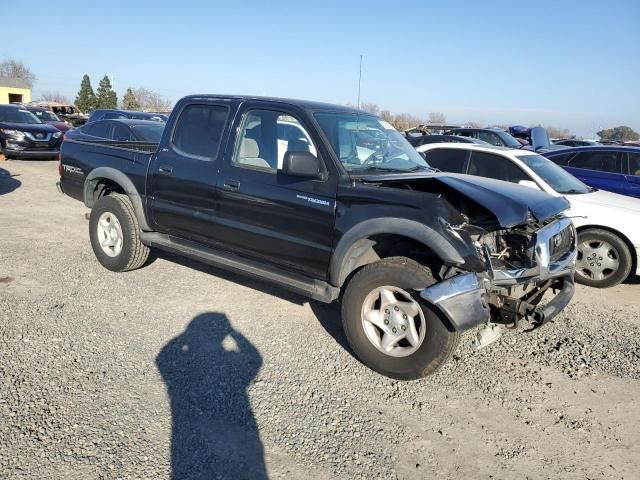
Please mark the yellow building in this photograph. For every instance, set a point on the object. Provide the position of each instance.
(14, 90)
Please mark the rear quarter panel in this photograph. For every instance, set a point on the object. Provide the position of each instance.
(78, 159)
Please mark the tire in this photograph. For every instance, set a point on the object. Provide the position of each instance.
(604, 259)
(404, 276)
(116, 211)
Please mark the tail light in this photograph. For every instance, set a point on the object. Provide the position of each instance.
(59, 165)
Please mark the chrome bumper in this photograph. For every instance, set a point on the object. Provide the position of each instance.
(463, 299)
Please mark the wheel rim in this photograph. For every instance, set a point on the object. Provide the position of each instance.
(597, 260)
(110, 234)
(393, 321)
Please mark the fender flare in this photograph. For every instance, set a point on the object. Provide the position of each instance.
(127, 185)
(354, 242)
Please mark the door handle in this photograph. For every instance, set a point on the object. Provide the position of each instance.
(231, 185)
(165, 170)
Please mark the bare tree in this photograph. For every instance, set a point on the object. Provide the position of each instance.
(437, 117)
(12, 68)
(556, 132)
(404, 121)
(53, 97)
(473, 124)
(151, 101)
(370, 107)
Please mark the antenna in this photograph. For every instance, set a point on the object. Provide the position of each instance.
(359, 81)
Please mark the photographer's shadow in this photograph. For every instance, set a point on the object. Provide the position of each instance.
(207, 370)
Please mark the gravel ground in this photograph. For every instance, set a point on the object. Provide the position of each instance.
(179, 367)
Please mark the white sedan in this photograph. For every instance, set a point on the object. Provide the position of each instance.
(608, 224)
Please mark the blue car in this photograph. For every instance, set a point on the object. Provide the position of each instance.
(613, 168)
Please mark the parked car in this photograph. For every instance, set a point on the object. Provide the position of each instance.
(123, 130)
(49, 117)
(352, 211)
(110, 114)
(612, 168)
(23, 135)
(426, 139)
(492, 136)
(575, 143)
(68, 113)
(608, 224)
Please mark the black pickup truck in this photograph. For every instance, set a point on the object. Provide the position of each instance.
(334, 204)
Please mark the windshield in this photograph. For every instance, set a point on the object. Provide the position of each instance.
(557, 178)
(508, 140)
(365, 143)
(46, 116)
(148, 133)
(15, 115)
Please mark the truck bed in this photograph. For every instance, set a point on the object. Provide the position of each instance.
(78, 158)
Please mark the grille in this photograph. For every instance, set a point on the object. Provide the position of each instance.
(562, 243)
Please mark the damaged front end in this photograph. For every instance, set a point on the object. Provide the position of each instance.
(522, 264)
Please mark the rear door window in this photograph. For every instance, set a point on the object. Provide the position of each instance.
(100, 129)
(121, 133)
(600, 161)
(447, 159)
(199, 130)
(490, 138)
(634, 164)
(489, 165)
(562, 160)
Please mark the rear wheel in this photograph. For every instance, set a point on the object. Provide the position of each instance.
(390, 329)
(115, 234)
(604, 259)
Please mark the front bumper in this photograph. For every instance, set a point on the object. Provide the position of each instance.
(470, 299)
(44, 153)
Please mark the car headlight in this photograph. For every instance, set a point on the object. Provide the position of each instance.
(16, 134)
(57, 135)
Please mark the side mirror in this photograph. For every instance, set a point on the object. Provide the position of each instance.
(529, 183)
(302, 164)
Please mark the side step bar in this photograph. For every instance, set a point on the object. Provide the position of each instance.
(316, 289)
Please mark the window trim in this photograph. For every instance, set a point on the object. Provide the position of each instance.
(177, 122)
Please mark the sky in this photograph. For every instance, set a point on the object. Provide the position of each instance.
(573, 64)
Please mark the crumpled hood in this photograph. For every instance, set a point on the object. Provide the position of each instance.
(509, 202)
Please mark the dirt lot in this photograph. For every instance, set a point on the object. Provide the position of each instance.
(178, 367)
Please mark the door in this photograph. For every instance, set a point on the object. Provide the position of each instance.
(182, 177)
(600, 169)
(633, 177)
(268, 215)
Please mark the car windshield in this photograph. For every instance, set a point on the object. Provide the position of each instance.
(148, 133)
(557, 178)
(46, 116)
(365, 143)
(508, 140)
(16, 115)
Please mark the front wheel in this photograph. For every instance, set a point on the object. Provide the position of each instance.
(389, 328)
(115, 234)
(604, 259)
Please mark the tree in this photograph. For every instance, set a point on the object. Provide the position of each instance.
(129, 101)
(370, 107)
(86, 99)
(555, 132)
(14, 69)
(105, 96)
(57, 97)
(619, 134)
(437, 117)
(151, 101)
